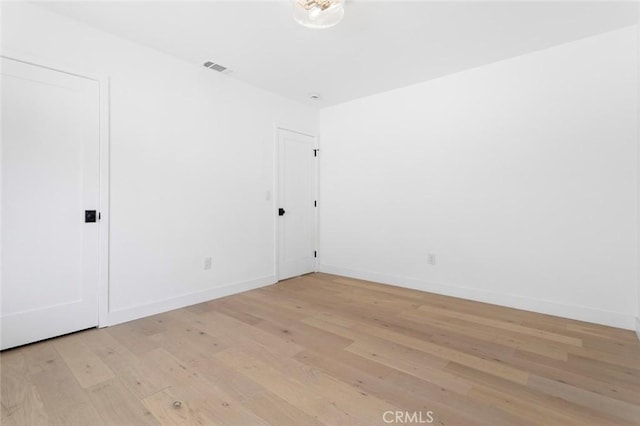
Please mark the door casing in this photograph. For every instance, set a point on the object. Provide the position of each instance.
(104, 168)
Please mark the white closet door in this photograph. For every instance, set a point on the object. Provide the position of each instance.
(296, 189)
(50, 178)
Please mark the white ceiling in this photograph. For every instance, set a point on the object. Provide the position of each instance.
(378, 46)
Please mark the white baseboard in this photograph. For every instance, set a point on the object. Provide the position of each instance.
(581, 313)
(638, 327)
(160, 306)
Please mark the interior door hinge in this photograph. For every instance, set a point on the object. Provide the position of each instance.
(315, 152)
(315, 254)
(315, 203)
(99, 216)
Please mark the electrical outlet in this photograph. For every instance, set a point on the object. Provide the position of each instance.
(208, 261)
(432, 259)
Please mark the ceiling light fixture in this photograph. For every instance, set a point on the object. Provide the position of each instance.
(318, 13)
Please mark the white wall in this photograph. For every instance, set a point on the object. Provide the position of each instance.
(519, 176)
(638, 176)
(191, 161)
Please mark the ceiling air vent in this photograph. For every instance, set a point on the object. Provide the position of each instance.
(215, 67)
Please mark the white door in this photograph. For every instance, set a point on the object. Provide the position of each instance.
(50, 171)
(296, 201)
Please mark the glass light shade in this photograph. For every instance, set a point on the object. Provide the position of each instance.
(318, 13)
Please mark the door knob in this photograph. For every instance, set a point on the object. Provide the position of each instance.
(281, 211)
(90, 216)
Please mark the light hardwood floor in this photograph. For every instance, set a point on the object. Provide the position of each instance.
(322, 349)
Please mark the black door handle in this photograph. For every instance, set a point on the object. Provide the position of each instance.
(90, 216)
(281, 211)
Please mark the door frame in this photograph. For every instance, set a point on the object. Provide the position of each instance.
(104, 152)
(276, 197)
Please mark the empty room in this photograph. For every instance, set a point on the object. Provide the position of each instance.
(319, 212)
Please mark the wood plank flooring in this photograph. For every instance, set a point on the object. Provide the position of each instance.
(323, 349)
